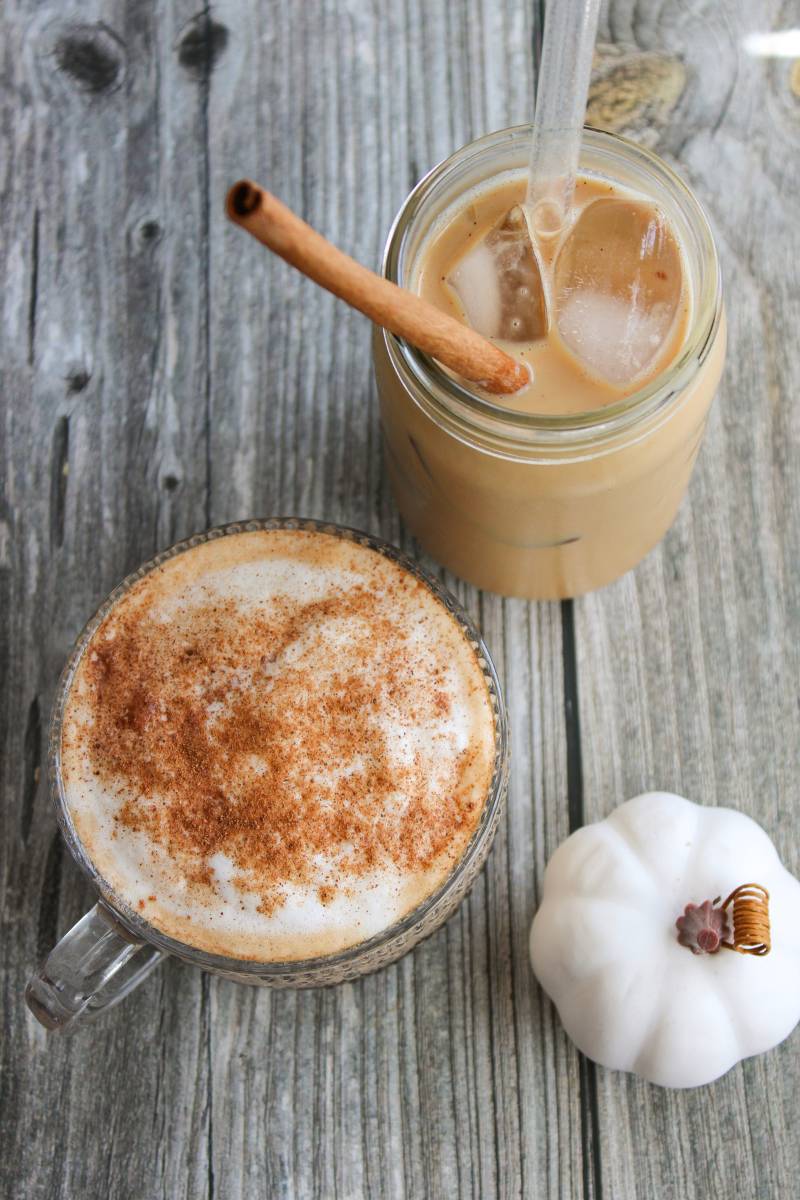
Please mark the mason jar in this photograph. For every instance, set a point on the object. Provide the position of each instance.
(540, 505)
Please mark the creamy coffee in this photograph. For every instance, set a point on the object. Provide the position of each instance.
(277, 744)
(566, 485)
(560, 381)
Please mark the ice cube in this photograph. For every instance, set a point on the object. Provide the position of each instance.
(617, 288)
(499, 283)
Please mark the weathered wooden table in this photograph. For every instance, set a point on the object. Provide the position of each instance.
(162, 374)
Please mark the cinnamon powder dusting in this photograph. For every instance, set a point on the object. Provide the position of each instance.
(280, 734)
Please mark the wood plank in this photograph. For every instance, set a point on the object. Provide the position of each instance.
(425, 1079)
(105, 312)
(688, 667)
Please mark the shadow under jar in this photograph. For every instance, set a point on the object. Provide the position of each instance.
(528, 504)
(123, 938)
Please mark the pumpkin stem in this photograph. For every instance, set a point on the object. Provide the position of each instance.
(744, 927)
(751, 930)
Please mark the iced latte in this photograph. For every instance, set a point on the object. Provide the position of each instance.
(567, 484)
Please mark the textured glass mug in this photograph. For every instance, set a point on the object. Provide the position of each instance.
(112, 949)
(546, 506)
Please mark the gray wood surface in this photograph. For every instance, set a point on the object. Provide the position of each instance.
(160, 375)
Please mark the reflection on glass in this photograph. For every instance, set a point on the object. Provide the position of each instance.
(779, 43)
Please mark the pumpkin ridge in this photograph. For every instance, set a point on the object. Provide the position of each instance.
(645, 869)
(592, 983)
(655, 1017)
(729, 1002)
(785, 895)
(655, 1022)
(690, 869)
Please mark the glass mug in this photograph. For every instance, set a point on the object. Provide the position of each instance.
(524, 504)
(113, 948)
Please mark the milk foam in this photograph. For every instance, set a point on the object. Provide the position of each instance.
(436, 725)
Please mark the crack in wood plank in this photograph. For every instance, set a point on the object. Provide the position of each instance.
(590, 1120)
(34, 288)
(49, 898)
(59, 478)
(32, 767)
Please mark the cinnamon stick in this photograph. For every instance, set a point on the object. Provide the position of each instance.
(402, 312)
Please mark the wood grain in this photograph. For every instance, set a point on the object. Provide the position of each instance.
(156, 378)
(688, 667)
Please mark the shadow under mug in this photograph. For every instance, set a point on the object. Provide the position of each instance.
(112, 949)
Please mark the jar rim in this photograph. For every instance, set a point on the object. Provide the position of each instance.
(448, 396)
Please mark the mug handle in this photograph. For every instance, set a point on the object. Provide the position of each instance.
(93, 967)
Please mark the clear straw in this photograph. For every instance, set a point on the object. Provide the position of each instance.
(570, 29)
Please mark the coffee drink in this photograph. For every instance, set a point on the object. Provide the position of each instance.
(565, 485)
(277, 744)
(561, 381)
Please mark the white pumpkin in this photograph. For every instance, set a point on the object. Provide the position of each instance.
(604, 943)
